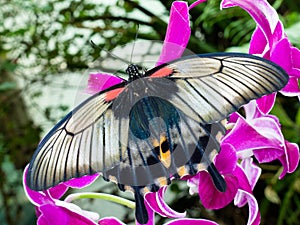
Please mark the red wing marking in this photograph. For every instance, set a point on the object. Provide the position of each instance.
(111, 95)
(163, 72)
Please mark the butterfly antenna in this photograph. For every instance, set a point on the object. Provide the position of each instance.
(109, 53)
(135, 39)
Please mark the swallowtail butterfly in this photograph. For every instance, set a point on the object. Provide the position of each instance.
(157, 125)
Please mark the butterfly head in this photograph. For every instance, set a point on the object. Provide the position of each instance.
(133, 72)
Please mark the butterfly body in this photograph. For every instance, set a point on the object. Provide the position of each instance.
(155, 126)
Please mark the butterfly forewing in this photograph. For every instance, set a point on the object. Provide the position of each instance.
(210, 87)
(84, 142)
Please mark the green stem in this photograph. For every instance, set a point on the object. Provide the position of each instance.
(108, 197)
(277, 4)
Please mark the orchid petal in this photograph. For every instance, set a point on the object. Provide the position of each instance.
(212, 198)
(290, 159)
(265, 155)
(37, 198)
(251, 110)
(282, 54)
(188, 221)
(270, 41)
(42, 220)
(293, 156)
(48, 208)
(258, 44)
(110, 221)
(252, 171)
(265, 16)
(56, 215)
(286, 56)
(234, 117)
(82, 181)
(264, 139)
(254, 215)
(296, 60)
(241, 175)
(193, 184)
(196, 3)
(264, 133)
(178, 33)
(292, 88)
(248, 174)
(266, 103)
(226, 160)
(157, 204)
(254, 112)
(58, 191)
(76, 209)
(101, 81)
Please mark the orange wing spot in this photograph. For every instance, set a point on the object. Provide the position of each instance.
(145, 190)
(162, 181)
(163, 72)
(165, 158)
(128, 188)
(201, 167)
(113, 179)
(111, 95)
(182, 171)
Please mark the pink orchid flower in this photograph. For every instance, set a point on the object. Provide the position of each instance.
(240, 180)
(262, 138)
(52, 211)
(257, 135)
(248, 174)
(270, 42)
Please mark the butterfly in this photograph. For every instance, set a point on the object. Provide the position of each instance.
(155, 126)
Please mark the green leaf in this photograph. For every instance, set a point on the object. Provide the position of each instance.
(279, 111)
(298, 117)
(8, 66)
(293, 33)
(6, 86)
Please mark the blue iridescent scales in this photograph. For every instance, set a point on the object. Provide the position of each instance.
(154, 127)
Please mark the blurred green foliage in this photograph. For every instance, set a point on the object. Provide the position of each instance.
(40, 40)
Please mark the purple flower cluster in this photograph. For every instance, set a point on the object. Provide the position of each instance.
(256, 136)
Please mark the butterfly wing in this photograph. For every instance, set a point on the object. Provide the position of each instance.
(80, 144)
(212, 86)
(119, 133)
(165, 124)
